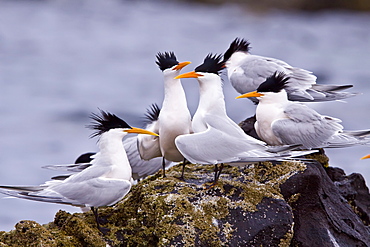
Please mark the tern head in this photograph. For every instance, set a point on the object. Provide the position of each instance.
(273, 84)
(212, 64)
(106, 122)
(168, 60)
(238, 44)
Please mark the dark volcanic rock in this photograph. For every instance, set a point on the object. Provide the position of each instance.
(353, 188)
(248, 127)
(322, 216)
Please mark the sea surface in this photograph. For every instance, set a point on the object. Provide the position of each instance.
(60, 60)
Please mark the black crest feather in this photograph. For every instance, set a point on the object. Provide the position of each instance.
(274, 83)
(166, 60)
(105, 122)
(212, 64)
(152, 113)
(237, 45)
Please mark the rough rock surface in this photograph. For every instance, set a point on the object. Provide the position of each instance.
(322, 216)
(288, 204)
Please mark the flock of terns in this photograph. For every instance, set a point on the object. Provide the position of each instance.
(287, 129)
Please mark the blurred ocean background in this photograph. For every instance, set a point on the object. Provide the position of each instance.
(60, 60)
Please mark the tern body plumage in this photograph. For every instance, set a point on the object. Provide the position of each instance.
(247, 71)
(283, 122)
(217, 138)
(102, 183)
(173, 119)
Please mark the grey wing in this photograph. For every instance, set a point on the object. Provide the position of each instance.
(256, 69)
(141, 168)
(300, 80)
(95, 192)
(252, 72)
(68, 167)
(208, 147)
(148, 145)
(305, 126)
(214, 146)
(35, 193)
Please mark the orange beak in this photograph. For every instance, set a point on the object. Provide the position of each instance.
(191, 74)
(181, 65)
(366, 157)
(249, 95)
(140, 131)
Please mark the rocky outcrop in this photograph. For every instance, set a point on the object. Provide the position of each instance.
(287, 204)
(322, 216)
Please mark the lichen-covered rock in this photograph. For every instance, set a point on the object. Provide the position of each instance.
(245, 208)
(70, 230)
(265, 204)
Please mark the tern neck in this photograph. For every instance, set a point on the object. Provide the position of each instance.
(235, 61)
(211, 94)
(211, 100)
(274, 98)
(112, 153)
(174, 94)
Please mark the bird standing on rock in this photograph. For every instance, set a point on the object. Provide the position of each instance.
(217, 139)
(247, 71)
(106, 181)
(284, 122)
(140, 168)
(174, 118)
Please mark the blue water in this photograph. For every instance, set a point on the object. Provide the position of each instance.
(62, 59)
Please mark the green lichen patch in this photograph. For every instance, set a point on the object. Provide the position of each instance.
(320, 157)
(284, 242)
(167, 211)
(173, 212)
(30, 233)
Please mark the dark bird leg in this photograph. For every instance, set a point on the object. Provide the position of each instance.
(183, 168)
(218, 171)
(101, 229)
(164, 167)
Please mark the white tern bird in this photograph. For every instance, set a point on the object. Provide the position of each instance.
(173, 119)
(247, 71)
(284, 122)
(106, 181)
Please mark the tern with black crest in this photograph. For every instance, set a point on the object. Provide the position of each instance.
(284, 122)
(247, 71)
(217, 139)
(106, 181)
(173, 119)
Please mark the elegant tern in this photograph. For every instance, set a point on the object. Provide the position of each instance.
(284, 122)
(246, 72)
(140, 168)
(174, 118)
(106, 181)
(217, 139)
